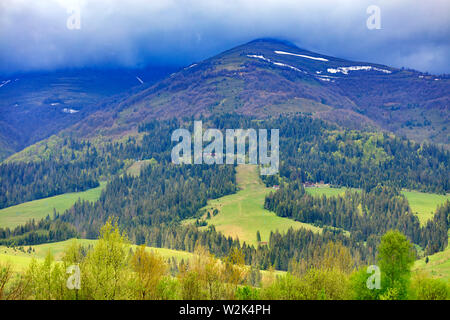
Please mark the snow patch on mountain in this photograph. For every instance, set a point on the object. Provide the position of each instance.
(325, 78)
(139, 79)
(287, 66)
(5, 82)
(300, 55)
(70, 111)
(279, 64)
(345, 70)
(258, 57)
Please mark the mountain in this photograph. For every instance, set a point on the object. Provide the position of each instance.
(36, 105)
(268, 77)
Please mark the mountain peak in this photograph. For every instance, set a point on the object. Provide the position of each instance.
(267, 77)
(274, 41)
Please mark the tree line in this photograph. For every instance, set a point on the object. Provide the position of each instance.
(151, 207)
(22, 181)
(366, 215)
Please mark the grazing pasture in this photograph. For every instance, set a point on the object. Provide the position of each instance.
(242, 215)
(13, 216)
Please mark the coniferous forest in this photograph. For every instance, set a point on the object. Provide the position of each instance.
(150, 209)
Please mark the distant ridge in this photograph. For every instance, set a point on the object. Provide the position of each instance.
(268, 77)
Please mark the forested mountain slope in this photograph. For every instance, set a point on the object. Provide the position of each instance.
(269, 77)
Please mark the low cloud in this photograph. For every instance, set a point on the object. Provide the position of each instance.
(34, 34)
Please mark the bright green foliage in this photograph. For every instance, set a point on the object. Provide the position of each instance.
(104, 270)
(395, 259)
(168, 288)
(283, 288)
(13, 286)
(112, 269)
(47, 279)
(392, 293)
(316, 284)
(358, 283)
(148, 269)
(424, 288)
(247, 293)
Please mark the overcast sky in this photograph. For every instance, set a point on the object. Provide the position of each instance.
(34, 34)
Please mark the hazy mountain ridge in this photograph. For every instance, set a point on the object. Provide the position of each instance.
(36, 105)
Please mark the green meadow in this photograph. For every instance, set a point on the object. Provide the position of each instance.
(41, 250)
(438, 264)
(135, 168)
(13, 216)
(20, 259)
(17, 262)
(424, 205)
(326, 191)
(242, 214)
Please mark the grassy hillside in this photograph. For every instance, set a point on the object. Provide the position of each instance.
(438, 264)
(135, 168)
(424, 204)
(20, 259)
(16, 215)
(327, 191)
(17, 262)
(242, 214)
